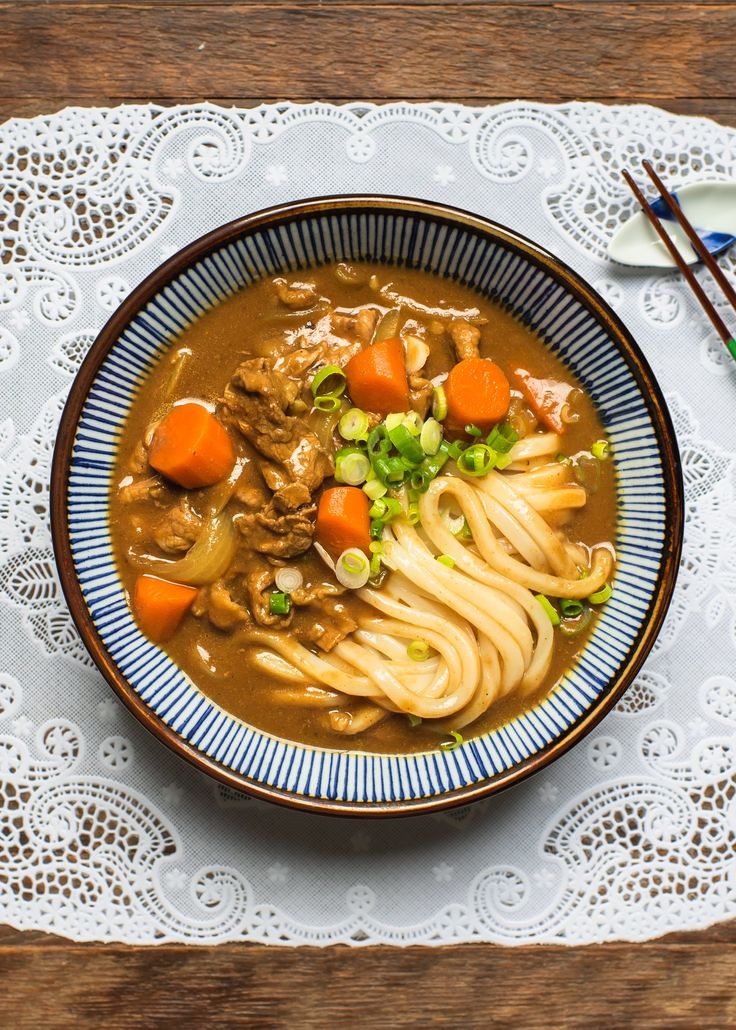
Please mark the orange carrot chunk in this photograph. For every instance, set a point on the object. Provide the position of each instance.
(478, 393)
(159, 606)
(343, 520)
(191, 447)
(546, 397)
(377, 378)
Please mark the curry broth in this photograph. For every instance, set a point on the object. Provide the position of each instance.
(251, 323)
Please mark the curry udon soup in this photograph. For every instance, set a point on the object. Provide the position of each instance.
(365, 508)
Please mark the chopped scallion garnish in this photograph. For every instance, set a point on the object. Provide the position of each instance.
(439, 403)
(351, 466)
(571, 627)
(328, 382)
(414, 720)
(446, 559)
(374, 488)
(466, 532)
(279, 603)
(353, 425)
(477, 460)
(472, 430)
(571, 608)
(602, 595)
(600, 449)
(352, 568)
(419, 650)
(327, 404)
(413, 422)
(430, 437)
(549, 609)
(450, 745)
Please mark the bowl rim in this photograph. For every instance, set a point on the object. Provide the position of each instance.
(539, 256)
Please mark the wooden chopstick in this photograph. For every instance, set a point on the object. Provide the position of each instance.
(698, 246)
(718, 324)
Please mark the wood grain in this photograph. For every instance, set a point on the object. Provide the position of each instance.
(58, 53)
(658, 986)
(344, 51)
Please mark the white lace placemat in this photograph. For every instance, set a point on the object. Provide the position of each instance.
(106, 835)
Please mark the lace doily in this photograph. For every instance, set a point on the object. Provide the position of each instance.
(106, 835)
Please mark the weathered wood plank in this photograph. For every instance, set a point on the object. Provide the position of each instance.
(656, 985)
(576, 49)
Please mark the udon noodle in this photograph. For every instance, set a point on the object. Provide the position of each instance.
(490, 634)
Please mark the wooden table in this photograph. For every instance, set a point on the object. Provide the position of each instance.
(676, 55)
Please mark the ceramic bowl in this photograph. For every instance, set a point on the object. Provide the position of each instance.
(574, 323)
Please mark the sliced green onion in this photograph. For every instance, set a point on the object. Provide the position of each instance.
(375, 564)
(374, 488)
(571, 608)
(602, 595)
(413, 422)
(439, 403)
(406, 444)
(419, 650)
(351, 466)
(412, 513)
(454, 449)
(503, 461)
(385, 508)
(353, 425)
(465, 532)
(600, 449)
(450, 745)
(327, 404)
(477, 460)
(549, 609)
(279, 603)
(393, 420)
(379, 509)
(414, 720)
(420, 480)
(288, 578)
(571, 627)
(390, 470)
(445, 559)
(328, 382)
(430, 437)
(376, 547)
(378, 442)
(563, 459)
(502, 438)
(376, 529)
(352, 568)
(472, 430)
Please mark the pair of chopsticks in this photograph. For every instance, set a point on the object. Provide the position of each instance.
(707, 258)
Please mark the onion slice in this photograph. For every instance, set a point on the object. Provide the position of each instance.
(206, 560)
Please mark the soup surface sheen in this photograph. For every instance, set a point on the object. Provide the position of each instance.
(252, 360)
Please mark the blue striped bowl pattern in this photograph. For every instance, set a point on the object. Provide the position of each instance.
(575, 325)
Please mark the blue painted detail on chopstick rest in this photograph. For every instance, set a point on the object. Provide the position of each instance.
(714, 242)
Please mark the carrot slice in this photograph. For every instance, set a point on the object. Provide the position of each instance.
(191, 447)
(478, 393)
(377, 378)
(546, 397)
(160, 605)
(343, 520)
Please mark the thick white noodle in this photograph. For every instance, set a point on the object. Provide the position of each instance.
(488, 634)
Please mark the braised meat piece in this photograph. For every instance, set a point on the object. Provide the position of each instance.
(297, 296)
(178, 528)
(284, 528)
(465, 339)
(257, 400)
